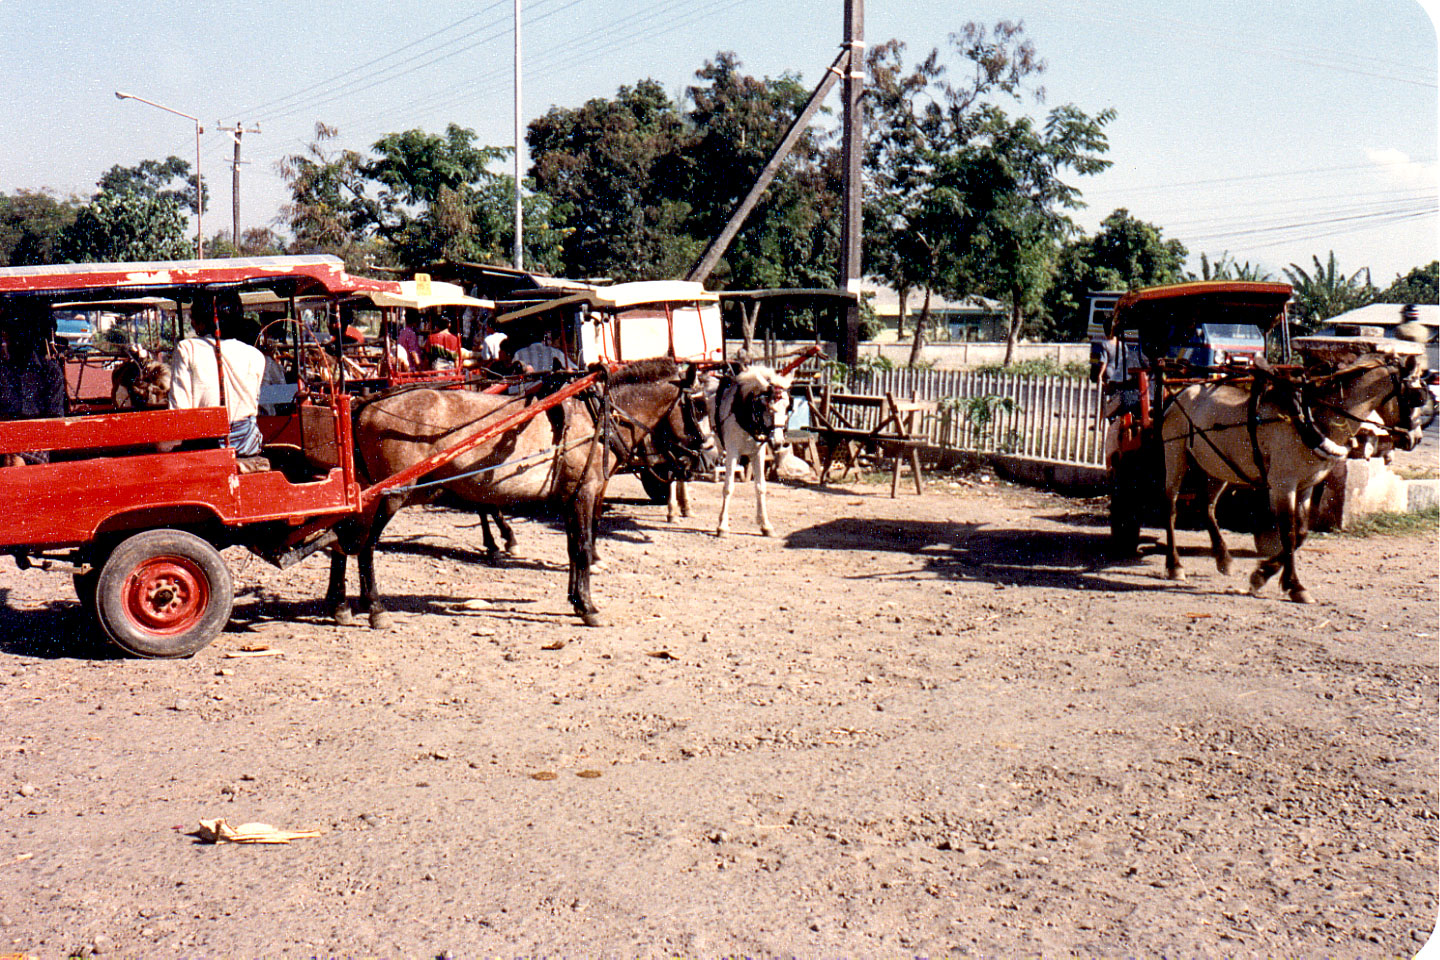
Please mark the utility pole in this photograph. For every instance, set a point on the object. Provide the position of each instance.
(852, 143)
(236, 132)
(519, 252)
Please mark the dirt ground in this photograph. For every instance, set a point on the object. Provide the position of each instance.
(928, 726)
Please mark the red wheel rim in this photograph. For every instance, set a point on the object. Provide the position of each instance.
(166, 595)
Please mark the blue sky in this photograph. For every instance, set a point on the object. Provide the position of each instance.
(1271, 131)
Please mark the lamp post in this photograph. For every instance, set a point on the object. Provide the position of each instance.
(199, 194)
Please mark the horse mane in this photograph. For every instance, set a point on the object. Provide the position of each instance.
(645, 371)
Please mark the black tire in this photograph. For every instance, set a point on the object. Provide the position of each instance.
(656, 487)
(1125, 507)
(163, 594)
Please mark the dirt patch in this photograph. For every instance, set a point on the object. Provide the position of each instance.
(929, 725)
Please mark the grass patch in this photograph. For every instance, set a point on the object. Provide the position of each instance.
(1425, 521)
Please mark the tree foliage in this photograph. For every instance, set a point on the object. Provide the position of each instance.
(1124, 254)
(153, 178)
(641, 184)
(1420, 285)
(125, 226)
(967, 199)
(1327, 291)
(31, 222)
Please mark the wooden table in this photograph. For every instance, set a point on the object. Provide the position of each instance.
(835, 419)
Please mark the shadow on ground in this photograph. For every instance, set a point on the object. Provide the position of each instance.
(1069, 559)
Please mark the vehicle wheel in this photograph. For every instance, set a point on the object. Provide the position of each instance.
(1124, 510)
(656, 487)
(163, 594)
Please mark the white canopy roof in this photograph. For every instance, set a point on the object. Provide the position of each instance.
(441, 294)
(623, 296)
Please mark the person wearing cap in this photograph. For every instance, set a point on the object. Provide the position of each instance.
(195, 375)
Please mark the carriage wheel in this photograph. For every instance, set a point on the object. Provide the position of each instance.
(656, 488)
(163, 594)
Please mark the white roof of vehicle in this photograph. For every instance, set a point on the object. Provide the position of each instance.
(622, 296)
(441, 294)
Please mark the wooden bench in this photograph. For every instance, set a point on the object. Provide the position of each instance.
(841, 420)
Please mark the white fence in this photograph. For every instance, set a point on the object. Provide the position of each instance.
(1041, 418)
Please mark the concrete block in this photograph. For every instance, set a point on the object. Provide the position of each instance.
(1422, 495)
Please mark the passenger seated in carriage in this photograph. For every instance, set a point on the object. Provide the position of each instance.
(32, 384)
(542, 357)
(195, 377)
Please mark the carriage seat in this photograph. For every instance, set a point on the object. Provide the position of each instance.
(252, 464)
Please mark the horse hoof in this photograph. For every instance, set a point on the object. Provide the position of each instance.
(1257, 583)
(1224, 566)
(767, 531)
(592, 619)
(1301, 595)
(342, 617)
(722, 533)
(511, 547)
(1174, 573)
(381, 620)
(492, 558)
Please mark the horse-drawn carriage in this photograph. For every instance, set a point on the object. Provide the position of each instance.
(139, 503)
(1154, 330)
(1182, 429)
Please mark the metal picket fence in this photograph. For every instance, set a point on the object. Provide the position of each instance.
(1043, 418)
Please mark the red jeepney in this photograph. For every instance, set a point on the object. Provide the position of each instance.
(140, 503)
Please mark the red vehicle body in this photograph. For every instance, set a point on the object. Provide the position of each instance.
(142, 528)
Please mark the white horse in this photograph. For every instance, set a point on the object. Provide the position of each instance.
(750, 410)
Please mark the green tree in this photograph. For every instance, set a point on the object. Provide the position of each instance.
(1420, 285)
(1010, 172)
(1327, 292)
(919, 216)
(329, 209)
(606, 166)
(154, 178)
(127, 227)
(1124, 254)
(735, 122)
(31, 223)
(1227, 267)
(430, 203)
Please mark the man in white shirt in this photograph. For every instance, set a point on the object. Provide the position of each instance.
(195, 378)
(541, 357)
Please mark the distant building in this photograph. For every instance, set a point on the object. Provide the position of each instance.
(1381, 319)
(969, 320)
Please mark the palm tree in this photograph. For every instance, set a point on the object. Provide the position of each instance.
(1227, 268)
(1328, 291)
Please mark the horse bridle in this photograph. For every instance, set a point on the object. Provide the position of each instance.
(689, 396)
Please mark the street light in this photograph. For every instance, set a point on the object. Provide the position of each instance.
(199, 194)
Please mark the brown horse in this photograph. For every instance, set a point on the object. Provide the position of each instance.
(1284, 438)
(560, 459)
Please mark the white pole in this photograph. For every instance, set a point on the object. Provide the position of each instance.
(519, 253)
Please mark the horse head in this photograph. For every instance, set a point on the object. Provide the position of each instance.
(694, 436)
(670, 409)
(762, 404)
(1408, 405)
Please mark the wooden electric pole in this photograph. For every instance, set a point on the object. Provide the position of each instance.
(852, 145)
(236, 132)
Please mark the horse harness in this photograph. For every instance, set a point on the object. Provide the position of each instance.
(753, 412)
(1297, 403)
